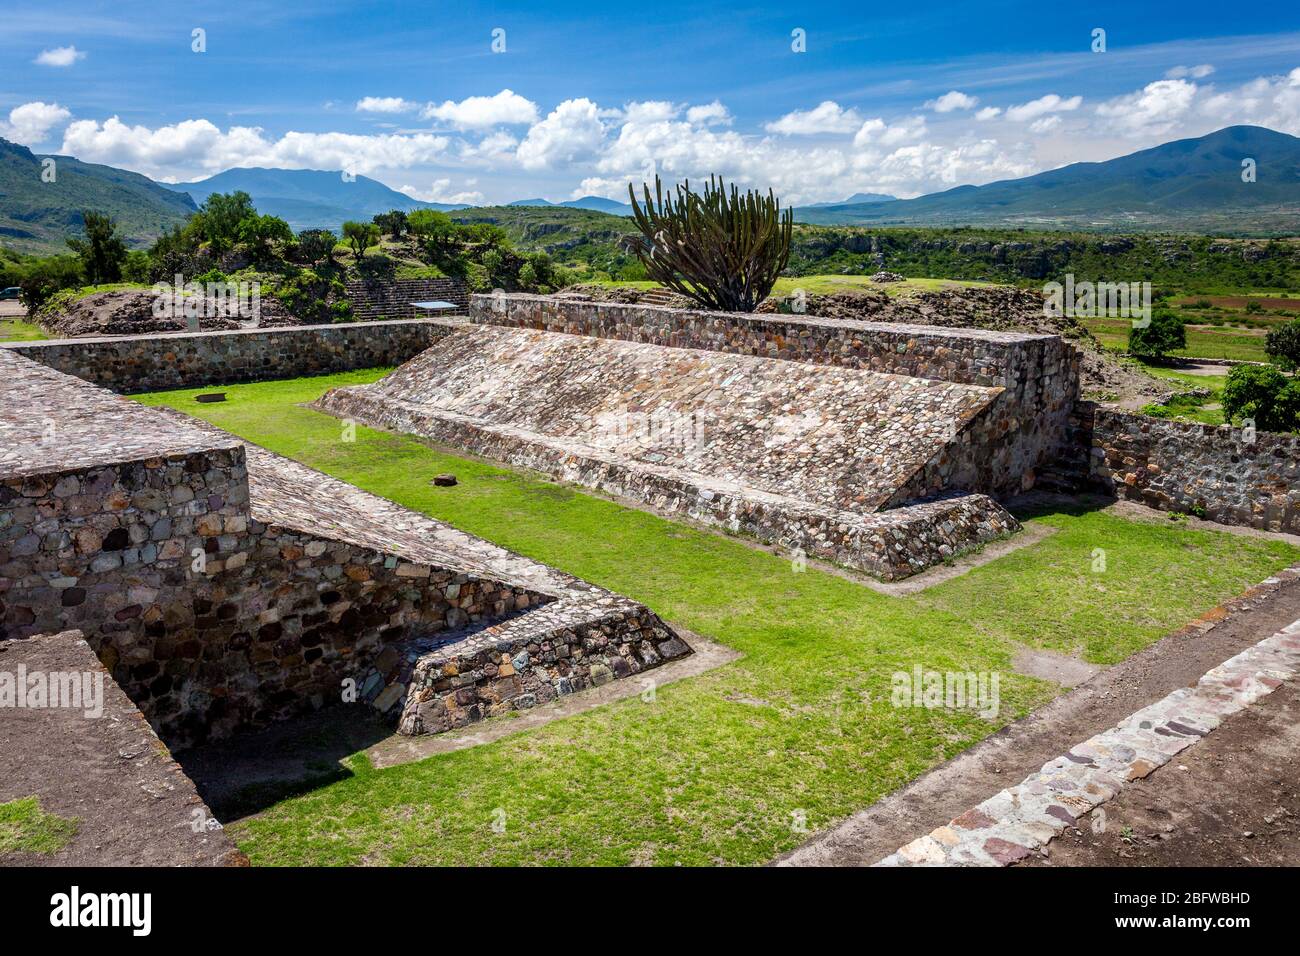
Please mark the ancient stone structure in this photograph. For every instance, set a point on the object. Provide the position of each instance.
(1022, 429)
(391, 298)
(225, 587)
(801, 455)
(1220, 473)
(142, 363)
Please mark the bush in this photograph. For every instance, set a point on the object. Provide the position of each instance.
(316, 246)
(1165, 333)
(1265, 395)
(312, 298)
(43, 278)
(361, 236)
(1283, 345)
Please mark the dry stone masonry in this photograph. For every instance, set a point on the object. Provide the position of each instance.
(225, 587)
(142, 363)
(380, 299)
(796, 454)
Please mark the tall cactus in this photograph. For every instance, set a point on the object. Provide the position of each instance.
(723, 250)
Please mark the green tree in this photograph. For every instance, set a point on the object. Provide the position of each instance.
(1263, 394)
(317, 245)
(392, 222)
(102, 252)
(44, 277)
(1282, 344)
(360, 235)
(1165, 333)
(219, 219)
(260, 233)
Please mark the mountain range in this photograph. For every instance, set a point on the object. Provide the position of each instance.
(1191, 185)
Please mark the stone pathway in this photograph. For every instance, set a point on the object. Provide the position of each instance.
(1020, 820)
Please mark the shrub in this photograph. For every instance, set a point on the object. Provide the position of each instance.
(44, 277)
(309, 298)
(1165, 333)
(391, 222)
(1283, 345)
(1265, 395)
(316, 245)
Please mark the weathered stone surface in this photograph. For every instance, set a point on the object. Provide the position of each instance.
(142, 363)
(273, 584)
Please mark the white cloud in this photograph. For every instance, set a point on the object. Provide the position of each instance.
(440, 192)
(385, 104)
(30, 123)
(1051, 103)
(480, 112)
(569, 131)
(826, 117)
(1193, 72)
(952, 100)
(878, 132)
(59, 56)
(1045, 124)
(1154, 110)
(988, 113)
(199, 147)
(709, 114)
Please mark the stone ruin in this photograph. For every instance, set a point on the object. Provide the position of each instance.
(881, 448)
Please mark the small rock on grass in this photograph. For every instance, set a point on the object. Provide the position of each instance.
(444, 481)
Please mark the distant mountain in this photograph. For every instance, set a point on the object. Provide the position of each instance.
(1191, 185)
(309, 198)
(37, 216)
(598, 203)
(855, 199)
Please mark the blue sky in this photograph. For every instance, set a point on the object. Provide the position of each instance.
(909, 99)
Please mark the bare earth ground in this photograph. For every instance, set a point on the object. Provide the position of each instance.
(11, 309)
(1233, 799)
(1020, 749)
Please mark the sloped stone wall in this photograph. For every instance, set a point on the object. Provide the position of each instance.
(999, 452)
(143, 363)
(1209, 471)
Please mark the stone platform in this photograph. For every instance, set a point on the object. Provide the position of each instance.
(226, 587)
(806, 456)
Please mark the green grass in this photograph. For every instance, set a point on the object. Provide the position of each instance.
(1202, 341)
(20, 330)
(26, 828)
(713, 770)
(1207, 410)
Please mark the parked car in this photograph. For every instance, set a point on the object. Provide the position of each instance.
(10, 293)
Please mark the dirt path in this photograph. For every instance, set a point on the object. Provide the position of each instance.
(1231, 800)
(1013, 753)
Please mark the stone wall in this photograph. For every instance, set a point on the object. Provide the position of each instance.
(392, 298)
(220, 599)
(1209, 471)
(999, 452)
(146, 363)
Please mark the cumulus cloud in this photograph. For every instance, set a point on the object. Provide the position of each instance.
(1051, 103)
(198, 146)
(952, 100)
(30, 123)
(709, 114)
(1189, 72)
(878, 132)
(59, 56)
(441, 192)
(479, 112)
(826, 117)
(1154, 110)
(988, 113)
(385, 104)
(570, 130)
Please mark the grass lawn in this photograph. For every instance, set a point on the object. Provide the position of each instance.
(1203, 341)
(719, 768)
(19, 330)
(25, 827)
(1207, 411)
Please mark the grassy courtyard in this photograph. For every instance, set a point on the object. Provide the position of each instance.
(728, 766)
